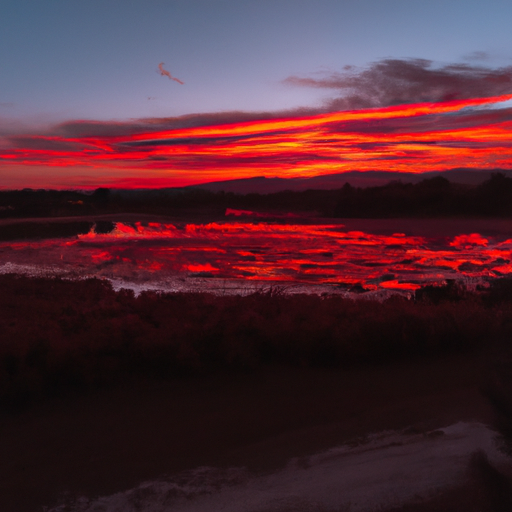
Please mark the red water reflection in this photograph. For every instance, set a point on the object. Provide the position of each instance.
(302, 253)
(273, 252)
(468, 241)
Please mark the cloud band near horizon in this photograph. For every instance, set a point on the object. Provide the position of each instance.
(452, 127)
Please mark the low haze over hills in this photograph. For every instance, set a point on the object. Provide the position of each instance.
(262, 185)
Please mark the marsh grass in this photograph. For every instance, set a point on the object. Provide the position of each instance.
(59, 337)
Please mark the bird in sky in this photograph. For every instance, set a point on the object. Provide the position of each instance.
(164, 72)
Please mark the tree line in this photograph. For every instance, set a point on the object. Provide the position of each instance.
(433, 197)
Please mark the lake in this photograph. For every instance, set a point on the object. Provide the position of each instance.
(350, 256)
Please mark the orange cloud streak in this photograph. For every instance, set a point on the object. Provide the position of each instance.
(413, 138)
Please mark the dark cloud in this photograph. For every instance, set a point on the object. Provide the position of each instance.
(98, 128)
(200, 141)
(479, 56)
(426, 123)
(44, 144)
(147, 125)
(18, 136)
(225, 117)
(204, 162)
(395, 82)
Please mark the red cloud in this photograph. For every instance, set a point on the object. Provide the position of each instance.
(470, 131)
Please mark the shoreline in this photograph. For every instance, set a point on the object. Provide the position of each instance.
(421, 226)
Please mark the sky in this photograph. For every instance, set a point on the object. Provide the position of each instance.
(132, 93)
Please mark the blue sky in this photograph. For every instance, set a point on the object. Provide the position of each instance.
(98, 60)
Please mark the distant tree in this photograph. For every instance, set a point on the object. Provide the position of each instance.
(101, 196)
(494, 196)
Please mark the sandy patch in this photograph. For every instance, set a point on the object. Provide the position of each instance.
(384, 469)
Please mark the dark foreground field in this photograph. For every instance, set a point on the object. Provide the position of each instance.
(101, 390)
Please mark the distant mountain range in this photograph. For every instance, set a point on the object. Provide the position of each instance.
(363, 179)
